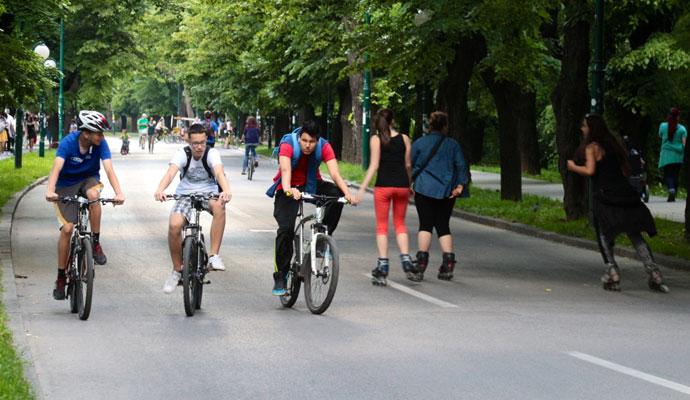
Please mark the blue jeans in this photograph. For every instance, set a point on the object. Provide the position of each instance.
(247, 149)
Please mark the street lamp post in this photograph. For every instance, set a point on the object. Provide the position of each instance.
(597, 93)
(61, 97)
(366, 106)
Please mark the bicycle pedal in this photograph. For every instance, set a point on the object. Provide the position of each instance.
(207, 282)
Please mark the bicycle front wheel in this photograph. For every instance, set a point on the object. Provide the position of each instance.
(190, 258)
(83, 286)
(197, 280)
(320, 282)
(293, 280)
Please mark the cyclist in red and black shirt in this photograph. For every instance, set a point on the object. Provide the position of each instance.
(300, 154)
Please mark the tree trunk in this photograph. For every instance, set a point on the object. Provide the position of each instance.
(506, 97)
(123, 121)
(341, 124)
(282, 125)
(133, 117)
(352, 143)
(527, 132)
(452, 92)
(570, 101)
(306, 113)
(188, 103)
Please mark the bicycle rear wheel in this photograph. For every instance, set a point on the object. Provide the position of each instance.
(293, 280)
(84, 284)
(250, 167)
(319, 288)
(190, 259)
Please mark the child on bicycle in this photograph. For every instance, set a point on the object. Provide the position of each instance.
(201, 170)
(301, 153)
(76, 172)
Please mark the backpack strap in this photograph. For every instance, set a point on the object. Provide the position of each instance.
(204, 161)
(188, 152)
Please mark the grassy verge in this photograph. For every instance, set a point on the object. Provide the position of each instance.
(13, 385)
(548, 215)
(553, 176)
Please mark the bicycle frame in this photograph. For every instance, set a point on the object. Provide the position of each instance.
(316, 229)
(193, 229)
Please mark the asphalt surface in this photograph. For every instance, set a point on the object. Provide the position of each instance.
(523, 319)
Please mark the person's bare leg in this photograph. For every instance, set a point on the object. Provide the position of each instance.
(217, 225)
(175, 226)
(63, 245)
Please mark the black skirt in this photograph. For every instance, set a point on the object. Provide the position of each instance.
(614, 220)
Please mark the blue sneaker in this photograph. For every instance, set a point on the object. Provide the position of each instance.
(279, 285)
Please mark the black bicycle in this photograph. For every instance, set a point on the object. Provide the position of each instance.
(80, 271)
(315, 259)
(194, 254)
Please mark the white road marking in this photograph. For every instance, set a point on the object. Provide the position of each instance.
(418, 295)
(263, 230)
(631, 372)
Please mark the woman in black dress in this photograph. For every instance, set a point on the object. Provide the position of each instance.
(617, 206)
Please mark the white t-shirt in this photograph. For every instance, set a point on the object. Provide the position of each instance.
(196, 179)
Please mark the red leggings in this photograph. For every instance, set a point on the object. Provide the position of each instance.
(383, 196)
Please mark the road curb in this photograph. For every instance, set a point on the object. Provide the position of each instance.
(623, 251)
(9, 294)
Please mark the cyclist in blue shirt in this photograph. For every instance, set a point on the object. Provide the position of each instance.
(76, 171)
(251, 137)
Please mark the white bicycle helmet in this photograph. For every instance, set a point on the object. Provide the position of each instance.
(92, 121)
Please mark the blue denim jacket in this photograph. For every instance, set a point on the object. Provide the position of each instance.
(446, 170)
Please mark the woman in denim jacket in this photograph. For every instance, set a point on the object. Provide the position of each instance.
(436, 186)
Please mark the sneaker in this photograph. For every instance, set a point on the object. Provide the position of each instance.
(256, 164)
(215, 263)
(59, 291)
(98, 255)
(172, 282)
(244, 172)
(279, 285)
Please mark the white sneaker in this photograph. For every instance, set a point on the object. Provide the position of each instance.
(215, 263)
(171, 282)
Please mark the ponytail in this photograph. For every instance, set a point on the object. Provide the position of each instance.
(383, 121)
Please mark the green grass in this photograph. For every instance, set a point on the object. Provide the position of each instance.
(548, 215)
(554, 176)
(13, 385)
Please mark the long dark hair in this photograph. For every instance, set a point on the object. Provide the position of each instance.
(672, 119)
(383, 122)
(599, 133)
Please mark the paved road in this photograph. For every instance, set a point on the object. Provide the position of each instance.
(657, 204)
(521, 320)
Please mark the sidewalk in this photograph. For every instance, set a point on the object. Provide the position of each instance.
(657, 205)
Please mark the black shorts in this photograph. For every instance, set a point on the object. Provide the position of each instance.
(69, 212)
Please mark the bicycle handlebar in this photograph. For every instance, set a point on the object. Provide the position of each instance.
(192, 195)
(83, 200)
(322, 198)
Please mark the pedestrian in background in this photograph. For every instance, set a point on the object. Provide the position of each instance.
(390, 161)
(617, 207)
(673, 136)
(4, 131)
(439, 176)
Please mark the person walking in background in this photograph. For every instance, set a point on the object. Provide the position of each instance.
(616, 204)
(390, 161)
(251, 138)
(31, 131)
(439, 176)
(4, 131)
(673, 136)
(143, 128)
